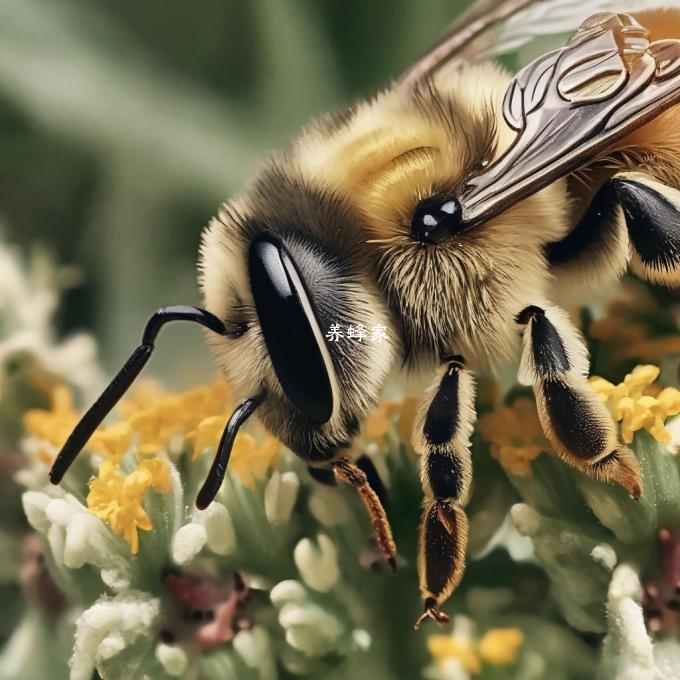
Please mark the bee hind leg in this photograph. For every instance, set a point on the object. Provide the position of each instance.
(441, 434)
(574, 419)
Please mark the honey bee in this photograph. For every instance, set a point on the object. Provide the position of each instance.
(453, 209)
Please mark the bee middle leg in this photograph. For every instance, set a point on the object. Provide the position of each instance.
(574, 419)
(633, 219)
(441, 434)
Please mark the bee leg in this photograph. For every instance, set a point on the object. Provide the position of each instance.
(374, 479)
(574, 419)
(652, 214)
(350, 473)
(441, 434)
(633, 219)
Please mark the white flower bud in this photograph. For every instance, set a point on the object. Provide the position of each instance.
(628, 652)
(76, 543)
(55, 538)
(287, 591)
(605, 555)
(362, 639)
(280, 496)
(117, 579)
(112, 644)
(188, 542)
(526, 519)
(318, 565)
(254, 648)
(173, 659)
(310, 629)
(624, 583)
(59, 511)
(101, 628)
(328, 506)
(220, 534)
(35, 503)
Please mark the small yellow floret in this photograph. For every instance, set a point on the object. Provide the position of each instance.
(638, 404)
(500, 646)
(117, 498)
(55, 425)
(443, 647)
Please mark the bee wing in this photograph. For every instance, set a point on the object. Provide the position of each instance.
(555, 18)
(492, 27)
(457, 41)
(570, 104)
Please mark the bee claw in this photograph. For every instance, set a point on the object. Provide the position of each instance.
(431, 612)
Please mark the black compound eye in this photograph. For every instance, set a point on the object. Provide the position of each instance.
(436, 218)
(290, 328)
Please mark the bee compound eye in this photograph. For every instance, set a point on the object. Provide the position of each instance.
(436, 218)
(291, 329)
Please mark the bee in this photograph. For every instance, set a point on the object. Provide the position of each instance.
(454, 209)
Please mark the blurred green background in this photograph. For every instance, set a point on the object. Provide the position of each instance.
(123, 126)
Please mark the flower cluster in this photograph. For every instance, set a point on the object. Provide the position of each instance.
(637, 405)
(281, 577)
(460, 648)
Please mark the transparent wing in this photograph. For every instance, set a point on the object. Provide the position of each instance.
(493, 27)
(461, 40)
(554, 18)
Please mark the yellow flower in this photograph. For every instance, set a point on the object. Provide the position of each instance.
(443, 647)
(636, 403)
(159, 418)
(250, 461)
(53, 426)
(207, 434)
(117, 498)
(499, 646)
(112, 442)
(152, 421)
(515, 435)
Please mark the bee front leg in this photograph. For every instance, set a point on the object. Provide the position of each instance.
(350, 473)
(574, 419)
(441, 435)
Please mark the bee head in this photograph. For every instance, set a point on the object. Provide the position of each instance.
(295, 286)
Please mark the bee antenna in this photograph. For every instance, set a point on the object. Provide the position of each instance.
(126, 376)
(215, 477)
